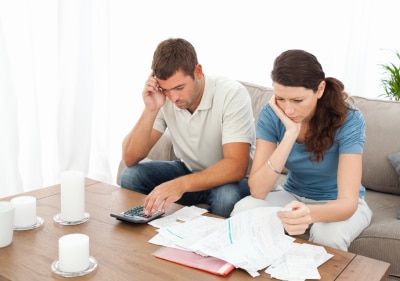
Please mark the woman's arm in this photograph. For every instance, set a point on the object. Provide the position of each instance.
(349, 181)
(270, 159)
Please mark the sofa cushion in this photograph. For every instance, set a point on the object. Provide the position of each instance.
(164, 149)
(259, 97)
(382, 138)
(381, 239)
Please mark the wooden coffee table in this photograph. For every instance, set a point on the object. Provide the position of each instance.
(122, 250)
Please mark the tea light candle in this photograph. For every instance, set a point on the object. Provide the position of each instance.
(25, 211)
(73, 252)
(72, 196)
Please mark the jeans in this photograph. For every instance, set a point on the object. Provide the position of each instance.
(145, 176)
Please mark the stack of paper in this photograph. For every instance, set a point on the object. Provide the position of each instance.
(251, 240)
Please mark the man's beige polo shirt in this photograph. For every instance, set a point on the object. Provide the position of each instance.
(224, 115)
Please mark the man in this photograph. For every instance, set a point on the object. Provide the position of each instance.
(211, 124)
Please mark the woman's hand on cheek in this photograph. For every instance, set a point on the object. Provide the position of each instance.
(296, 219)
(287, 122)
(275, 107)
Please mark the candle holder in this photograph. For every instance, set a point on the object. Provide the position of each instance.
(73, 256)
(39, 222)
(55, 267)
(58, 218)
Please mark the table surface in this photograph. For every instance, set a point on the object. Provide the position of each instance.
(122, 250)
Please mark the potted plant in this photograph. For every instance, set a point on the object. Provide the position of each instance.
(391, 81)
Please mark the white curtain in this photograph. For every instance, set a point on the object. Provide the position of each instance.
(71, 72)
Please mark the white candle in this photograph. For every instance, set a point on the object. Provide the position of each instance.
(72, 196)
(6, 223)
(25, 211)
(73, 252)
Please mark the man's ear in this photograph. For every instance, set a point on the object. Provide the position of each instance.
(198, 71)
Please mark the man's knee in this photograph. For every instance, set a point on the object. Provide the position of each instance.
(222, 199)
(130, 177)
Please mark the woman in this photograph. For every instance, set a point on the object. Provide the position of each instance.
(310, 128)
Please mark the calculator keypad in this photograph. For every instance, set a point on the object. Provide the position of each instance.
(137, 211)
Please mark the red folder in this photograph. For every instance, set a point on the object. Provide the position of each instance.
(193, 260)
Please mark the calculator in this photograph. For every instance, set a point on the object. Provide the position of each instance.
(137, 215)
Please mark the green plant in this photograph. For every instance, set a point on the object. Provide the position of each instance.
(391, 81)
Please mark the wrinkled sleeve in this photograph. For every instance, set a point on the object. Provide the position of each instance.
(160, 124)
(351, 137)
(269, 127)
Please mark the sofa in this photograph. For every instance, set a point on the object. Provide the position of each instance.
(381, 174)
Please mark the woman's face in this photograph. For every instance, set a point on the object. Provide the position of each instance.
(298, 103)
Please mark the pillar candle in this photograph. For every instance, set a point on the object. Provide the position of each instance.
(6, 224)
(73, 252)
(25, 211)
(72, 196)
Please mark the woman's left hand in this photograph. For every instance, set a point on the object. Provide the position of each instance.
(290, 125)
(297, 220)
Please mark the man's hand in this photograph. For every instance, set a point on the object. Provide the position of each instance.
(163, 195)
(297, 220)
(153, 98)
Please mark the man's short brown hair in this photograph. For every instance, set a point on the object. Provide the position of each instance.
(172, 55)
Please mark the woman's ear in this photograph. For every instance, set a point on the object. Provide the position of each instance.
(321, 89)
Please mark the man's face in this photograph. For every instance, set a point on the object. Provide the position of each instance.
(184, 91)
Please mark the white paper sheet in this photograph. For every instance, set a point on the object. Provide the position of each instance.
(251, 240)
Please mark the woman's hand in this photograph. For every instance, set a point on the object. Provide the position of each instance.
(297, 220)
(290, 125)
(153, 98)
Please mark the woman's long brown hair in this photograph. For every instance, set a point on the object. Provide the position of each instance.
(298, 68)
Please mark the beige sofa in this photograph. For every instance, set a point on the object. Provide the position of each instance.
(381, 240)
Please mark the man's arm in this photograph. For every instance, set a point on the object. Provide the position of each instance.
(138, 143)
(232, 168)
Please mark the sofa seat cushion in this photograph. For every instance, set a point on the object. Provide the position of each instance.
(381, 239)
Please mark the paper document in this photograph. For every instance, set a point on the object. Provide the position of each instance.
(252, 240)
(186, 234)
(300, 262)
(182, 215)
